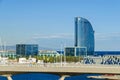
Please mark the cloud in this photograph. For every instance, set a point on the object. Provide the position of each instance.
(53, 36)
(107, 36)
(98, 36)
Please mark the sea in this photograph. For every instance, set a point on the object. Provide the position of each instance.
(43, 76)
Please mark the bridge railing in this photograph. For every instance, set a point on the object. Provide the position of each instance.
(57, 65)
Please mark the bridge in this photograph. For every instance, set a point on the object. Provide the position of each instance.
(63, 70)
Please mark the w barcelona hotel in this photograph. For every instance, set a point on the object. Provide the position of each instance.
(84, 39)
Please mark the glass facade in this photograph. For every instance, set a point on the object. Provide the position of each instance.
(79, 51)
(26, 49)
(75, 51)
(84, 35)
(70, 51)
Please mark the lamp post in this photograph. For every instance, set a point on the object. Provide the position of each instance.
(61, 55)
(64, 55)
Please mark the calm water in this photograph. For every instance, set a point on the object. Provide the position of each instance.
(39, 76)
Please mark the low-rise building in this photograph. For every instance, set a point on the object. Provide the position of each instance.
(3, 60)
(10, 53)
(29, 60)
(48, 53)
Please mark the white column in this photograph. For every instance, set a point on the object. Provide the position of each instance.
(8, 76)
(63, 77)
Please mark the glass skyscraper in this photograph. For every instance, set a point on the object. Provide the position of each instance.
(84, 35)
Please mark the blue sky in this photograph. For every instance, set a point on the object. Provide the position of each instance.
(50, 23)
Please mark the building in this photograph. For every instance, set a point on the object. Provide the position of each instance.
(29, 60)
(70, 51)
(75, 51)
(26, 49)
(10, 54)
(84, 39)
(84, 35)
(48, 53)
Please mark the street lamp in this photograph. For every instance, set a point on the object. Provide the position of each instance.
(61, 55)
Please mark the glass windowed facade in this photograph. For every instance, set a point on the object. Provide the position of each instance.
(80, 51)
(26, 49)
(84, 35)
(70, 51)
(75, 51)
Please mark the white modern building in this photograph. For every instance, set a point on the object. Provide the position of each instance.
(48, 53)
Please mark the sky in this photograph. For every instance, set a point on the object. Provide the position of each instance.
(50, 23)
